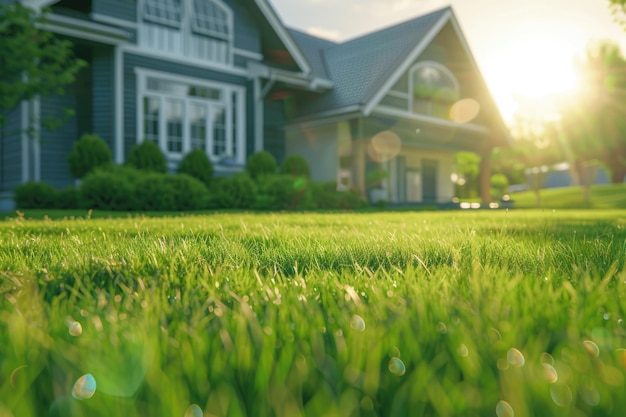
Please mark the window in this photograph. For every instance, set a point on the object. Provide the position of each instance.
(201, 29)
(433, 89)
(182, 115)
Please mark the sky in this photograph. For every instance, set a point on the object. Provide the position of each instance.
(524, 48)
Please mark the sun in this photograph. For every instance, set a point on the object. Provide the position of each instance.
(534, 64)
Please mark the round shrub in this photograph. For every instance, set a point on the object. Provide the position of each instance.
(197, 164)
(155, 192)
(295, 165)
(106, 190)
(88, 152)
(260, 165)
(147, 156)
(189, 192)
(35, 195)
(67, 198)
(238, 191)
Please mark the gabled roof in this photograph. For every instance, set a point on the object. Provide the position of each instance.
(360, 67)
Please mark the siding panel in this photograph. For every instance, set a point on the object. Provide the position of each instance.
(11, 148)
(103, 86)
(120, 9)
(56, 144)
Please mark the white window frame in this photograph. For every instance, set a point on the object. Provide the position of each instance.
(429, 64)
(179, 40)
(235, 146)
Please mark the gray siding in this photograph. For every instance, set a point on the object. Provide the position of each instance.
(273, 129)
(130, 87)
(121, 9)
(103, 87)
(11, 151)
(247, 33)
(56, 144)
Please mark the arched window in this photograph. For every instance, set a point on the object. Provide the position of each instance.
(433, 89)
(201, 29)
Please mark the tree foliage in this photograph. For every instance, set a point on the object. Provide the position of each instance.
(32, 61)
(594, 127)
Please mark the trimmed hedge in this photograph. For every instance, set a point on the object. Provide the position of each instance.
(88, 153)
(238, 191)
(34, 195)
(326, 196)
(189, 193)
(198, 165)
(106, 190)
(147, 156)
(284, 192)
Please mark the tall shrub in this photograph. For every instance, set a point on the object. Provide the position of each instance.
(261, 164)
(88, 152)
(197, 164)
(147, 156)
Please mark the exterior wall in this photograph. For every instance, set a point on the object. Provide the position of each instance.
(102, 72)
(318, 146)
(247, 33)
(56, 144)
(10, 157)
(273, 129)
(119, 9)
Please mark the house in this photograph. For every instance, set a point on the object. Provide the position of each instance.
(383, 113)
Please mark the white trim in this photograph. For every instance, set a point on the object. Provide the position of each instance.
(327, 120)
(284, 35)
(225, 101)
(188, 80)
(62, 30)
(86, 25)
(313, 118)
(114, 21)
(248, 54)
(24, 136)
(419, 48)
(392, 111)
(398, 94)
(118, 99)
(192, 62)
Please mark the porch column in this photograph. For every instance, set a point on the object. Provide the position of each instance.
(485, 176)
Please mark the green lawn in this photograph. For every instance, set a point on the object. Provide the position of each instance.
(602, 197)
(458, 313)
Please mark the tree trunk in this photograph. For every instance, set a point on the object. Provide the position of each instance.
(617, 168)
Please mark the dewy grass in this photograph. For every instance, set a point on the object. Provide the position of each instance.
(381, 314)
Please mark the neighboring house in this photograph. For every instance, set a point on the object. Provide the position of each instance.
(228, 77)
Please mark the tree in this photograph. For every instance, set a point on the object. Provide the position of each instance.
(618, 9)
(536, 147)
(594, 126)
(32, 61)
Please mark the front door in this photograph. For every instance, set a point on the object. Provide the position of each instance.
(429, 180)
